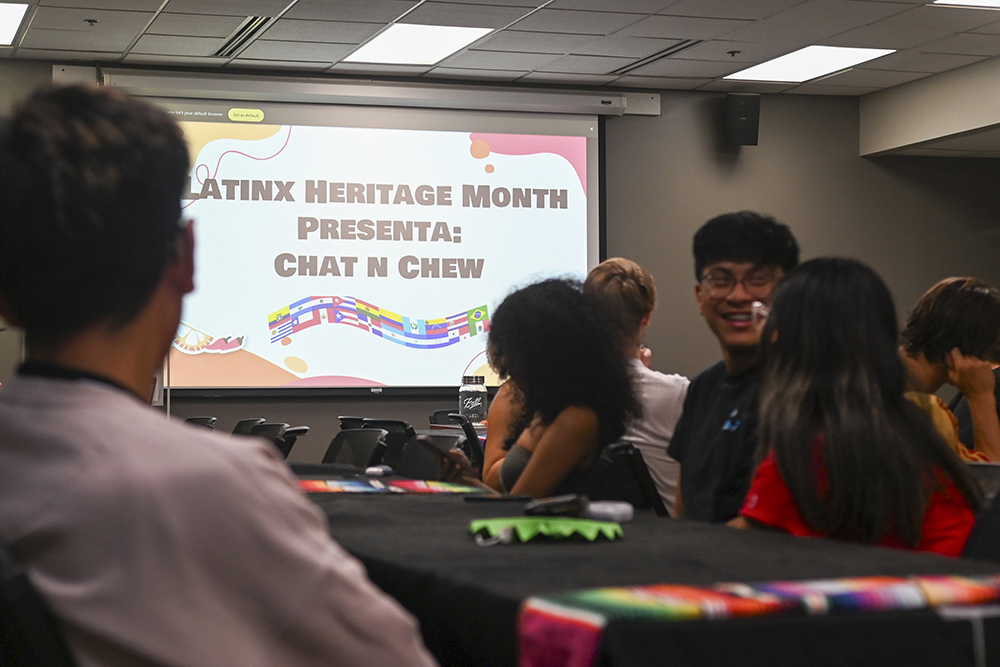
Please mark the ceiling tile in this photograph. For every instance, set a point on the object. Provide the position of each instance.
(685, 68)
(871, 78)
(177, 46)
(579, 22)
(150, 59)
(51, 18)
(336, 32)
(507, 3)
(535, 42)
(967, 44)
(575, 79)
(915, 61)
(913, 27)
(628, 6)
(369, 69)
(727, 9)
(475, 59)
(586, 64)
(266, 49)
(194, 26)
(816, 89)
(659, 82)
(988, 29)
(361, 11)
(470, 16)
(719, 49)
(296, 65)
(63, 55)
(625, 47)
(76, 40)
(227, 7)
(682, 27)
(135, 5)
(723, 86)
(473, 74)
(812, 21)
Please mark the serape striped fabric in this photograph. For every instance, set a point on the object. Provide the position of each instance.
(565, 630)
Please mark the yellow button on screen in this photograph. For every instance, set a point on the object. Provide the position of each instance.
(246, 115)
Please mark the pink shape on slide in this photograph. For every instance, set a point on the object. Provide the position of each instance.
(574, 149)
(333, 381)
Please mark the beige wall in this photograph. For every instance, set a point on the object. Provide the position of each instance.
(17, 78)
(915, 220)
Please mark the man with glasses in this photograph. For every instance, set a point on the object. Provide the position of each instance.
(739, 259)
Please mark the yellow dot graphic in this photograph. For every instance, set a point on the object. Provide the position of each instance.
(296, 365)
(286, 341)
(489, 169)
(479, 149)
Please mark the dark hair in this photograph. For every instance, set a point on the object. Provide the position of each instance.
(956, 312)
(561, 350)
(627, 287)
(745, 236)
(89, 208)
(831, 370)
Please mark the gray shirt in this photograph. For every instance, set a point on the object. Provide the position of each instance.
(161, 544)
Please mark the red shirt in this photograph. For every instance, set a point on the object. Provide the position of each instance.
(948, 519)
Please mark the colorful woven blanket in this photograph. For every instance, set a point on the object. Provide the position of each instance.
(565, 630)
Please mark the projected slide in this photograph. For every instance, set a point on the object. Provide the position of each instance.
(366, 257)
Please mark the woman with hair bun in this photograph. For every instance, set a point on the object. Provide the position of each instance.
(845, 455)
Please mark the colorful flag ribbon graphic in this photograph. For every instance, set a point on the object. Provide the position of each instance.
(410, 332)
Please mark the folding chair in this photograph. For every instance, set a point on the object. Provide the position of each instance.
(620, 473)
(398, 433)
(361, 447)
(243, 426)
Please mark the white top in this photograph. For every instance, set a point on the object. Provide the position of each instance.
(662, 398)
(157, 543)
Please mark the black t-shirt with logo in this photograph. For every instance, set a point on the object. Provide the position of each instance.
(715, 442)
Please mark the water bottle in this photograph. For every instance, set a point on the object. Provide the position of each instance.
(472, 398)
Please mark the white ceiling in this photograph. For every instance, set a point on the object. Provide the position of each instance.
(582, 43)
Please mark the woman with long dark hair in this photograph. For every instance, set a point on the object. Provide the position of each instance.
(571, 392)
(845, 455)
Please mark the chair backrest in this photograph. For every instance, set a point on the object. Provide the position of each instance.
(351, 422)
(288, 437)
(419, 462)
(243, 426)
(398, 433)
(984, 540)
(472, 446)
(29, 633)
(620, 473)
(361, 447)
(207, 422)
(273, 432)
(441, 416)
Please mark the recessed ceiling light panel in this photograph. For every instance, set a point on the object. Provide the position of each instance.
(809, 63)
(11, 15)
(410, 44)
(969, 4)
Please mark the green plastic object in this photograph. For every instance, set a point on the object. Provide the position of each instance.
(526, 528)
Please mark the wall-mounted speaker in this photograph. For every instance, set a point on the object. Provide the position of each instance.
(742, 118)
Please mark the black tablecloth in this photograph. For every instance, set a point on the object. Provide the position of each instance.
(466, 597)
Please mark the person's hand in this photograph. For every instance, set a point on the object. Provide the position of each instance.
(973, 376)
(645, 355)
(456, 468)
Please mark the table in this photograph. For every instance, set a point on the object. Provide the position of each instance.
(466, 597)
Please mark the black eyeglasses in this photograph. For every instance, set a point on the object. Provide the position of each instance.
(721, 284)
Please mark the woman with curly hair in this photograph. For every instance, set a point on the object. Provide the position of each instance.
(569, 392)
(845, 454)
